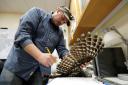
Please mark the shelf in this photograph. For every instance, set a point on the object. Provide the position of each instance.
(95, 12)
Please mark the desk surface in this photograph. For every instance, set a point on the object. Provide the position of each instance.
(74, 81)
(116, 81)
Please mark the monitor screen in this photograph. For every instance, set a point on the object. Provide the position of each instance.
(110, 62)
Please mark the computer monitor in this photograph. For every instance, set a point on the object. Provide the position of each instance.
(110, 62)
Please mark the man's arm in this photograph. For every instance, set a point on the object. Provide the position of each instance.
(43, 58)
(61, 47)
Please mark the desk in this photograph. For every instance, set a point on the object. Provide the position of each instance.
(74, 81)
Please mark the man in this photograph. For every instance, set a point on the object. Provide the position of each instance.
(29, 59)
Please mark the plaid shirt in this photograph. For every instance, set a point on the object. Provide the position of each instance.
(35, 27)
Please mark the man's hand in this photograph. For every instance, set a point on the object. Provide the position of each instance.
(46, 59)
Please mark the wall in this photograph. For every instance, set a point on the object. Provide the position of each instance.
(9, 20)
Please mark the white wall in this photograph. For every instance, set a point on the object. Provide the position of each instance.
(122, 26)
(9, 20)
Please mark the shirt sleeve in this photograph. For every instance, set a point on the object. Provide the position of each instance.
(28, 24)
(61, 48)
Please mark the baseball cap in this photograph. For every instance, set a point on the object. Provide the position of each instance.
(67, 14)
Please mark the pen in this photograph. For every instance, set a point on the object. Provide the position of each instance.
(48, 50)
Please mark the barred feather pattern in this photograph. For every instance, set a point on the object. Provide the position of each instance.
(85, 49)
